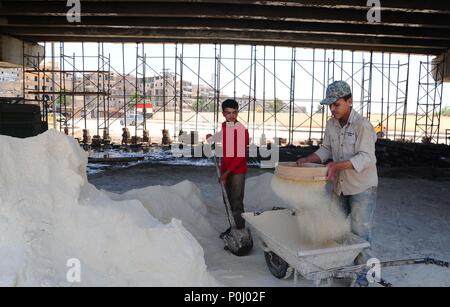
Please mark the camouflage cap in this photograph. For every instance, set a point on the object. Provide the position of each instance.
(336, 91)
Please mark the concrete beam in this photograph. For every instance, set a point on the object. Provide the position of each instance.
(340, 39)
(412, 6)
(356, 15)
(248, 41)
(13, 49)
(232, 25)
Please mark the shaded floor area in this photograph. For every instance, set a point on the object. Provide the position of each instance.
(412, 220)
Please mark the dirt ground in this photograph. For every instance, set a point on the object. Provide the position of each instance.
(412, 220)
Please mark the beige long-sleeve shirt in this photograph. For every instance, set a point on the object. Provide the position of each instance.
(355, 142)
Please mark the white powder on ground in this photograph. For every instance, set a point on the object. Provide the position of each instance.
(50, 214)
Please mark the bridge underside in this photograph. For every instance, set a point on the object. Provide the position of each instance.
(406, 26)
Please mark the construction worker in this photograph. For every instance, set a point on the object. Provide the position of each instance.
(349, 141)
(235, 139)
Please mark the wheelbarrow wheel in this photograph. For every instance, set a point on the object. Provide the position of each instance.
(277, 266)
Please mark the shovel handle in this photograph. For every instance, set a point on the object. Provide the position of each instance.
(224, 194)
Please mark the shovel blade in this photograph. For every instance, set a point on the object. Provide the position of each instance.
(239, 241)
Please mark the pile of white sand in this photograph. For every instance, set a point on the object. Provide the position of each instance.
(49, 214)
(182, 201)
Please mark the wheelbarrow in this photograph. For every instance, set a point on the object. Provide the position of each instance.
(286, 254)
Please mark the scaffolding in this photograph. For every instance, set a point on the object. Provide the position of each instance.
(57, 88)
(179, 87)
(429, 101)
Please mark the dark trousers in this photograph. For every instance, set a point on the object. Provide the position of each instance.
(235, 187)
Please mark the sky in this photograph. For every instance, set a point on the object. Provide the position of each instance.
(306, 87)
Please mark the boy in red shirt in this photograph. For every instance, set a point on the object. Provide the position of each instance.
(235, 139)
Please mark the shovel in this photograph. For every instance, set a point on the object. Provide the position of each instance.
(237, 241)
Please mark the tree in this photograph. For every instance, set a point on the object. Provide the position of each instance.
(134, 99)
(319, 109)
(445, 111)
(202, 105)
(300, 109)
(63, 100)
(276, 104)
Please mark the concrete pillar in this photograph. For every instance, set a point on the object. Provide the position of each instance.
(11, 51)
(438, 69)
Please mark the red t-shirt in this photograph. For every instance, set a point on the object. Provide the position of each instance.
(235, 140)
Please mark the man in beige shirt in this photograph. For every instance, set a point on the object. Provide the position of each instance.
(349, 141)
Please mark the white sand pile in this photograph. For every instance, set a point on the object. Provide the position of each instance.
(50, 214)
(182, 201)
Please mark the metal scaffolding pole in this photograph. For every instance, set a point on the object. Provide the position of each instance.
(219, 68)
(292, 98)
(369, 101)
(39, 89)
(44, 96)
(98, 94)
(73, 95)
(324, 92)
(264, 93)
(234, 73)
(65, 75)
(136, 94)
(275, 91)
(440, 69)
(109, 92)
(197, 109)
(254, 95)
(53, 89)
(405, 108)
(250, 85)
(181, 90)
(312, 94)
(175, 96)
(382, 94)
(105, 120)
(84, 85)
(144, 84)
(23, 71)
(164, 85)
(353, 72)
(124, 91)
(388, 97)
